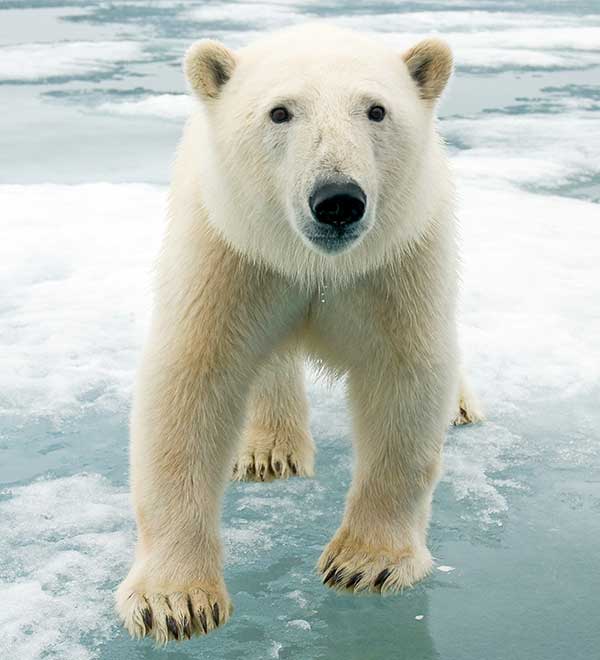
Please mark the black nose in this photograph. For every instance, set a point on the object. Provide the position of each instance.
(338, 204)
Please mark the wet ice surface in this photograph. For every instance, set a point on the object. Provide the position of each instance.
(93, 103)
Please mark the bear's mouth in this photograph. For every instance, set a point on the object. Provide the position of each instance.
(332, 240)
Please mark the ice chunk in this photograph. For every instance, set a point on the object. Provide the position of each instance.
(299, 623)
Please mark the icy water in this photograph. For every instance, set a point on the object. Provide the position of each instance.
(93, 102)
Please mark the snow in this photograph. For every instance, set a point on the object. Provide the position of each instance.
(167, 106)
(70, 330)
(530, 148)
(257, 15)
(61, 542)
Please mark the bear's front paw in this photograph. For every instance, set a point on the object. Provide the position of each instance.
(275, 454)
(174, 612)
(348, 564)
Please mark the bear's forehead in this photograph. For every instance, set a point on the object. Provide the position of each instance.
(334, 68)
(318, 47)
(317, 60)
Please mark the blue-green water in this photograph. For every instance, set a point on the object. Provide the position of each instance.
(93, 101)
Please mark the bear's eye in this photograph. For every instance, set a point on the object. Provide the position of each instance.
(376, 113)
(280, 115)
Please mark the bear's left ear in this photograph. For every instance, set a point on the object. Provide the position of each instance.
(430, 66)
(208, 66)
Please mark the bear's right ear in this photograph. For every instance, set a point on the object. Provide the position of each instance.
(208, 65)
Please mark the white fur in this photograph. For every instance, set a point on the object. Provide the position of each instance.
(242, 295)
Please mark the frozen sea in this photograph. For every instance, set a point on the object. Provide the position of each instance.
(93, 101)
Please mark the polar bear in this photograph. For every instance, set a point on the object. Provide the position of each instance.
(311, 213)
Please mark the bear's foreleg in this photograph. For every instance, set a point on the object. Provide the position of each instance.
(277, 442)
(209, 337)
(400, 418)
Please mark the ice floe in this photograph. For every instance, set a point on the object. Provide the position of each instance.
(44, 61)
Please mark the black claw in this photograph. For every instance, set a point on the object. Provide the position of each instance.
(294, 468)
(172, 626)
(147, 617)
(354, 580)
(277, 467)
(329, 575)
(328, 563)
(216, 613)
(337, 577)
(203, 622)
(382, 577)
(186, 628)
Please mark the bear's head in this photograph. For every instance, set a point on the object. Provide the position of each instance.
(317, 147)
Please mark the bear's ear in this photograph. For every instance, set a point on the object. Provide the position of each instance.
(430, 66)
(208, 66)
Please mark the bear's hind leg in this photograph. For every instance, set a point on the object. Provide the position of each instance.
(277, 443)
(469, 410)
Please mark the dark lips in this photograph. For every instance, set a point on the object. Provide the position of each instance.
(332, 239)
